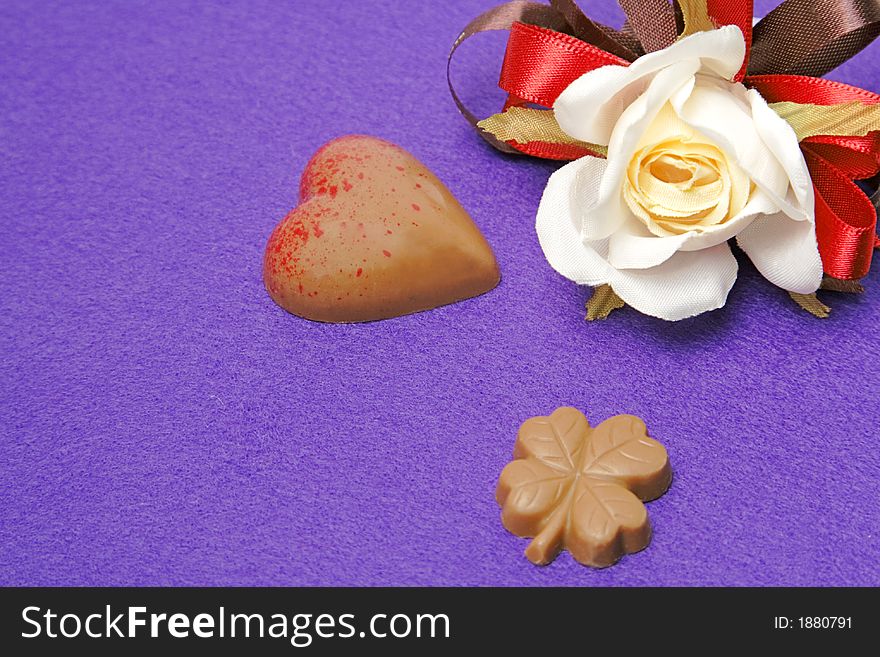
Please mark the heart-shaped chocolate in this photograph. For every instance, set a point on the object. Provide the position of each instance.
(375, 235)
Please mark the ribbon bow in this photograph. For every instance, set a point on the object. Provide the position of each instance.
(838, 125)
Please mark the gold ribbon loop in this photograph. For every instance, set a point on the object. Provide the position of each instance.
(524, 125)
(695, 16)
(851, 119)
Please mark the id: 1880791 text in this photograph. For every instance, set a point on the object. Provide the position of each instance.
(813, 623)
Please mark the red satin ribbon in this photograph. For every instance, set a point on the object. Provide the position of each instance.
(550, 151)
(845, 217)
(845, 220)
(725, 12)
(857, 157)
(540, 63)
(804, 89)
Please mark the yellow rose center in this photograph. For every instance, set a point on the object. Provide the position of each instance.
(679, 181)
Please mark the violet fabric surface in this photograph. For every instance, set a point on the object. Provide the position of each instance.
(162, 422)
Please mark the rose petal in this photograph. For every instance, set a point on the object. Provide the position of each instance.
(782, 141)
(609, 210)
(686, 284)
(558, 222)
(591, 106)
(770, 154)
(689, 283)
(758, 204)
(633, 250)
(784, 251)
(627, 250)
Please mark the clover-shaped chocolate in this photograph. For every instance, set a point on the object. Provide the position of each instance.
(579, 488)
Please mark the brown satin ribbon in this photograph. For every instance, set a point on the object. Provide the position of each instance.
(501, 18)
(811, 37)
(601, 36)
(653, 22)
(627, 36)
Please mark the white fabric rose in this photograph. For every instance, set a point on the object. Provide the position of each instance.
(693, 160)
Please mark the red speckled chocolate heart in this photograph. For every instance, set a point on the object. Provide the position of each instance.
(375, 235)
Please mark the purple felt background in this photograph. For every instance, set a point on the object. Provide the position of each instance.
(163, 422)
